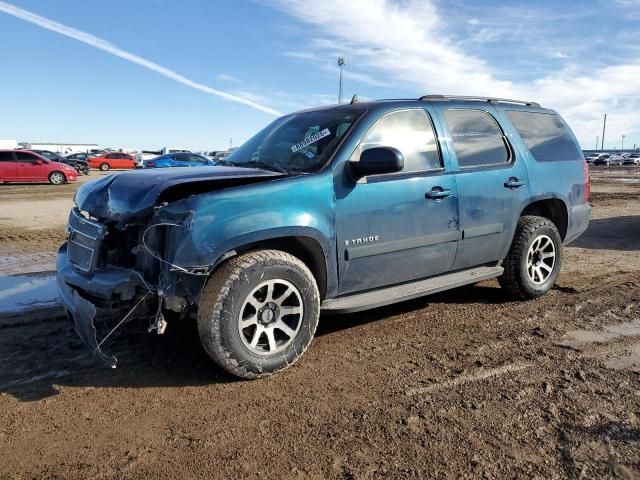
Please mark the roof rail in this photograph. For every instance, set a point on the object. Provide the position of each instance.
(481, 99)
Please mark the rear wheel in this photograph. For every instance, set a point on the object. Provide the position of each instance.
(258, 313)
(104, 167)
(534, 260)
(57, 178)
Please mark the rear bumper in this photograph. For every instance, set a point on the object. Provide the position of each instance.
(84, 294)
(579, 216)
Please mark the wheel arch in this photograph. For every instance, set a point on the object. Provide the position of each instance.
(304, 247)
(553, 209)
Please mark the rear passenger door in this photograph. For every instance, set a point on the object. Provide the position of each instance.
(492, 181)
(7, 166)
(398, 227)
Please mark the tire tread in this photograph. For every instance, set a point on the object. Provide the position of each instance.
(219, 287)
(511, 280)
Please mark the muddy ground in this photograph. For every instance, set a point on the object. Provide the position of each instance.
(465, 383)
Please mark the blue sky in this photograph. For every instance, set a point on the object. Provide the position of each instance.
(233, 64)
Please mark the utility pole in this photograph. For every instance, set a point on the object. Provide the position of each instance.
(604, 127)
(597, 138)
(341, 64)
(622, 146)
(230, 143)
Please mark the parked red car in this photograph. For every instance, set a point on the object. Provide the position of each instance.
(112, 160)
(26, 166)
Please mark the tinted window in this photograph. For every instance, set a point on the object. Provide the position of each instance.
(26, 157)
(546, 136)
(181, 157)
(198, 159)
(411, 132)
(6, 157)
(477, 139)
(112, 156)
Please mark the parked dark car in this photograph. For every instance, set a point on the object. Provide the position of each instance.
(81, 166)
(82, 156)
(603, 159)
(340, 209)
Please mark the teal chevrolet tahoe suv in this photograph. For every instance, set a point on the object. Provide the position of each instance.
(335, 209)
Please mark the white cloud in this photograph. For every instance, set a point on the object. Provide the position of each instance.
(105, 46)
(560, 55)
(405, 44)
(225, 77)
(473, 21)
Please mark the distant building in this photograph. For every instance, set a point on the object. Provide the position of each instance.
(61, 148)
(9, 144)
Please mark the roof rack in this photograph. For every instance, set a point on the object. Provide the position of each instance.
(481, 99)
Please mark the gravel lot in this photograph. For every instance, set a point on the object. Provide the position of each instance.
(464, 383)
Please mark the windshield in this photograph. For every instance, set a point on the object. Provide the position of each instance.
(302, 142)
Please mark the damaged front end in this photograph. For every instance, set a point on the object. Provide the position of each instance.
(125, 241)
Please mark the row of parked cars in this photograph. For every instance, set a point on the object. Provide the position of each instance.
(613, 159)
(43, 165)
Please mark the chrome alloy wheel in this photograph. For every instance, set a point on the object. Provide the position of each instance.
(270, 317)
(541, 258)
(57, 178)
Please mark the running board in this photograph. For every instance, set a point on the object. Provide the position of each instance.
(408, 291)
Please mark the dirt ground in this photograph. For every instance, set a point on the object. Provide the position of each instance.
(461, 384)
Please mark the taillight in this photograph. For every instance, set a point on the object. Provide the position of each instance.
(587, 181)
(151, 164)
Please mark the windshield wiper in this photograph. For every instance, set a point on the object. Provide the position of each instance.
(267, 165)
(255, 163)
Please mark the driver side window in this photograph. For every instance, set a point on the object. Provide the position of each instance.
(411, 132)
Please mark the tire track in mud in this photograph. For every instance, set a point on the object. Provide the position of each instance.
(344, 410)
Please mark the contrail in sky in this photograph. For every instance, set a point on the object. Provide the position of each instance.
(103, 45)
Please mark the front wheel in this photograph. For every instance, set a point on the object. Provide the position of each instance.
(534, 260)
(259, 312)
(57, 178)
(104, 167)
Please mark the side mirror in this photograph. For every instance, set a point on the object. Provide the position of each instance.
(378, 160)
(38, 162)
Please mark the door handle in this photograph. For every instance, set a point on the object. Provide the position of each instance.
(438, 192)
(513, 183)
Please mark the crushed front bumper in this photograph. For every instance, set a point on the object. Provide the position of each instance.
(84, 294)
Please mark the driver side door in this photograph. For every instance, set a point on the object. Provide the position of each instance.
(399, 227)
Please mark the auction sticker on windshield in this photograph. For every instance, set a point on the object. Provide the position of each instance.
(309, 140)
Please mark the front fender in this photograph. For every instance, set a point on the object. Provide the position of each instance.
(213, 224)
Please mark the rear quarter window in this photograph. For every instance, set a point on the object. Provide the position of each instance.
(545, 135)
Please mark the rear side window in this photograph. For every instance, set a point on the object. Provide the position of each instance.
(6, 157)
(411, 132)
(546, 136)
(477, 138)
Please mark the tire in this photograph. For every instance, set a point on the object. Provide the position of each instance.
(240, 287)
(534, 260)
(57, 178)
(104, 167)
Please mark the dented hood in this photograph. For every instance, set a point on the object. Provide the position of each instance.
(129, 196)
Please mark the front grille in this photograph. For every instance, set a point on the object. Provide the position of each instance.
(85, 239)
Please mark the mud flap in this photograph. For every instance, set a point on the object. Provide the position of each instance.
(83, 314)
